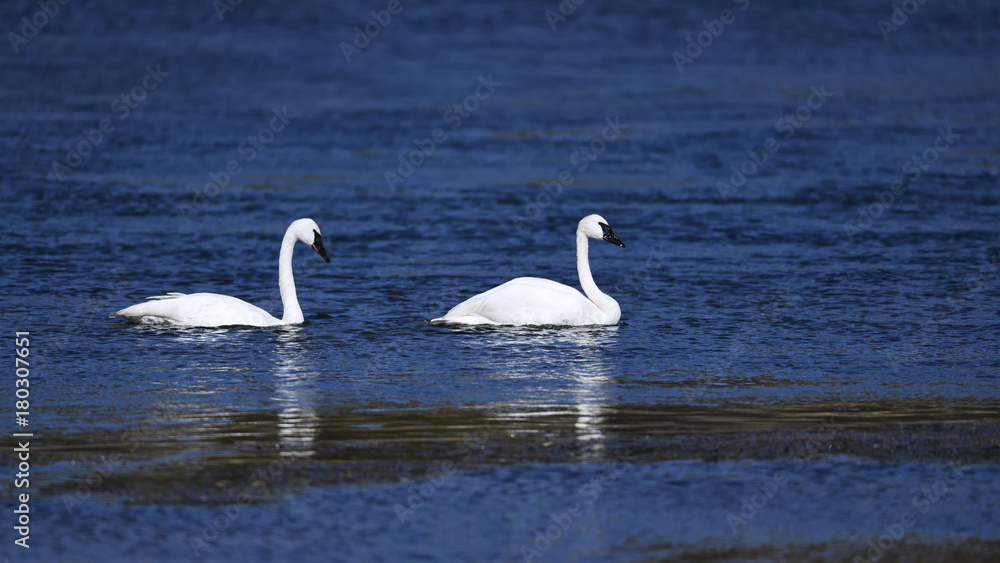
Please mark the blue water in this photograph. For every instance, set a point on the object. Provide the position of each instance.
(798, 293)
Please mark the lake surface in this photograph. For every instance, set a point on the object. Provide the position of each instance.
(807, 365)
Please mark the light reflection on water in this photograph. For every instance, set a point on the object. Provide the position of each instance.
(297, 420)
(364, 397)
(574, 357)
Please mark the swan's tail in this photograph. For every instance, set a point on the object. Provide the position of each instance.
(141, 312)
(465, 320)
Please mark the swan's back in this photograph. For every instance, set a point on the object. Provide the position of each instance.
(527, 301)
(197, 309)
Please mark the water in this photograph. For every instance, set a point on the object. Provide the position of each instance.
(776, 345)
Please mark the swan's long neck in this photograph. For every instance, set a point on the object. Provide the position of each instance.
(286, 282)
(603, 301)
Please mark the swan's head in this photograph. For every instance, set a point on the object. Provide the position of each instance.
(307, 231)
(595, 226)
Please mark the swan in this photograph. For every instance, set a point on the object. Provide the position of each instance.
(536, 301)
(214, 310)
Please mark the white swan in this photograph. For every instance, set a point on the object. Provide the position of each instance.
(214, 310)
(536, 301)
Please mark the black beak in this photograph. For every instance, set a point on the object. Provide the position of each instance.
(609, 235)
(318, 247)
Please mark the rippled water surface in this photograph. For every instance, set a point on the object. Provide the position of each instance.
(807, 359)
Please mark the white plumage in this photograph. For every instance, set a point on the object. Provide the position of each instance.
(214, 310)
(537, 301)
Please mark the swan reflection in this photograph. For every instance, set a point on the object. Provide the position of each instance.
(572, 376)
(190, 336)
(298, 422)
